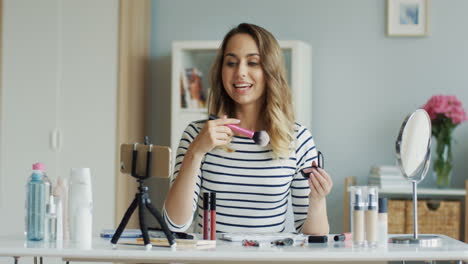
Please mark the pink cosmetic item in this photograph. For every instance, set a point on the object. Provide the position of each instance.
(260, 138)
(213, 215)
(343, 237)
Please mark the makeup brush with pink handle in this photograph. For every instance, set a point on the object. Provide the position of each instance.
(260, 138)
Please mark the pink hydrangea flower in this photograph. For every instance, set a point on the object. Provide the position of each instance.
(440, 106)
(446, 113)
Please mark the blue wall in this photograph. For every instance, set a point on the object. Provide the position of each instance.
(364, 83)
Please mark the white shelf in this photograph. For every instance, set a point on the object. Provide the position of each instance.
(424, 191)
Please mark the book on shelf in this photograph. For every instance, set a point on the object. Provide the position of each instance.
(386, 176)
(393, 180)
(385, 170)
(392, 186)
(390, 180)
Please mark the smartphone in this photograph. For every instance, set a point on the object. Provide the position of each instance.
(161, 163)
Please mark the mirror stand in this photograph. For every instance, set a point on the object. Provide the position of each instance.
(413, 151)
(421, 239)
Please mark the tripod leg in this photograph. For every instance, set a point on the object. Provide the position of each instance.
(143, 227)
(124, 221)
(165, 228)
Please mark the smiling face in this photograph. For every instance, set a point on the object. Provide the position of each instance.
(242, 73)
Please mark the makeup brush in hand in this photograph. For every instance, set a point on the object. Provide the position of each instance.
(260, 138)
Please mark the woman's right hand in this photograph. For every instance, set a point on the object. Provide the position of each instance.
(214, 133)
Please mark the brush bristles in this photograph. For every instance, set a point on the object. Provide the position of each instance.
(261, 138)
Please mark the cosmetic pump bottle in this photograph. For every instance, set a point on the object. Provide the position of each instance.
(371, 216)
(358, 206)
(383, 222)
(61, 196)
(59, 225)
(50, 233)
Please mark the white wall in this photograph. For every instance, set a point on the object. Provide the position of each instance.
(59, 62)
(363, 82)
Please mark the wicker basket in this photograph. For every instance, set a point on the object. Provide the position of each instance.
(435, 217)
(396, 216)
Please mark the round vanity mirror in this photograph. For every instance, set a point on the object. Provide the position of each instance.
(413, 151)
(413, 145)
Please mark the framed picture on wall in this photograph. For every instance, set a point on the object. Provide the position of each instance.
(407, 18)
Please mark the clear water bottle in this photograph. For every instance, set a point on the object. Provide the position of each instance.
(36, 196)
(47, 181)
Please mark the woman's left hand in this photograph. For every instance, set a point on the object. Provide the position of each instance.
(320, 183)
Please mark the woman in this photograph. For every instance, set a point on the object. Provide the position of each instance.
(253, 183)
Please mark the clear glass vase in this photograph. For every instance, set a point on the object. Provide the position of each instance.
(443, 163)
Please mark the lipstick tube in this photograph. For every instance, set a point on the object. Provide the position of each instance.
(206, 216)
(213, 215)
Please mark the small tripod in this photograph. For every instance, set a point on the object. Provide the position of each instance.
(142, 200)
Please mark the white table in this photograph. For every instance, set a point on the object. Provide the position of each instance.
(227, 252)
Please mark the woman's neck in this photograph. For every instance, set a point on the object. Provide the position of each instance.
(249, 115)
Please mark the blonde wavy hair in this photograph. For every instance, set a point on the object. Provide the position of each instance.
(278, 114)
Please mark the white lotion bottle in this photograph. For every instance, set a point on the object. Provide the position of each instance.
(358, 225)
(372, 216)
(383, 222)
(81, 207)
(59, 208)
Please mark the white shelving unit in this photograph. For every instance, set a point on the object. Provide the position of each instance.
(424, 191)
(200, 55)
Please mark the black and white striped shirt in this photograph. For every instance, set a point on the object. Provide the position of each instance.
(252, 187)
